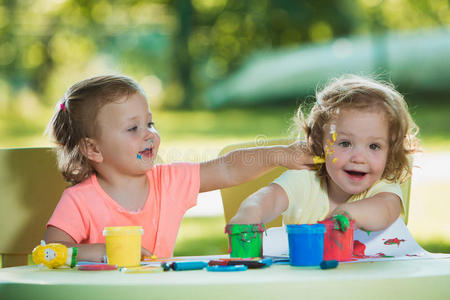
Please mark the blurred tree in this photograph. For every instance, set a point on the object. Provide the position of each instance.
(182, 59)
(175, 48)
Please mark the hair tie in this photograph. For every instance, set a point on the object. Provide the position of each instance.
(62, 105)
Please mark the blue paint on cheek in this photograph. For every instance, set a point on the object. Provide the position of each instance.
(139, 156)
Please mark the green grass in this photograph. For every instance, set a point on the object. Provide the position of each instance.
(201, 236)
(212, 128)
(434, 125)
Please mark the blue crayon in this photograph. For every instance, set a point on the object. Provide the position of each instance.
(231, 268)
(328, 264)
(188, 265)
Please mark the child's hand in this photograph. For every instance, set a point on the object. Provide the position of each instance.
(296, 157)
(248, 213)
(341, 221)
(244, 220)
(245, 216)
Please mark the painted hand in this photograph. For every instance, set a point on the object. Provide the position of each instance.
(341, 221)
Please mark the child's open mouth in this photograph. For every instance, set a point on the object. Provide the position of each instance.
(356, 175)
(146, 153)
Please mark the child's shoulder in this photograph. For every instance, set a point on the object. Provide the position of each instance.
(84, 191)
(175, 170)
(301, 173)
(384, 185)
(294, 176)
(86, 184)
(175, 166)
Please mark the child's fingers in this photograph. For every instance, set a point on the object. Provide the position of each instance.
(342, 221)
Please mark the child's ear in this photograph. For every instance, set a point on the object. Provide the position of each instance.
(90, 150)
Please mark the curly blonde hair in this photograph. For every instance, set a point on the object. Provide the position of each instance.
(75, 116)
(357, 92)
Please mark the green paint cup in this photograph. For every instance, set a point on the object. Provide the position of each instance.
(245, 240)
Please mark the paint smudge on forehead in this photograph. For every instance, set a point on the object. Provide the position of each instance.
(329, 149)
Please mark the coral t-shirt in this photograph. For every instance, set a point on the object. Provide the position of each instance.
(86, 209)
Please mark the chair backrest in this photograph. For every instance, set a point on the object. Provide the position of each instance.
(30, 186)
(233, 196)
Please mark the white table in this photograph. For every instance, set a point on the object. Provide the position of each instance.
(411, 279)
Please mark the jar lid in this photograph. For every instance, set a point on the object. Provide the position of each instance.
(123, 230)
(242, 228)
(306, 228)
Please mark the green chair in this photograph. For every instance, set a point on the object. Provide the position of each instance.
(233, 196)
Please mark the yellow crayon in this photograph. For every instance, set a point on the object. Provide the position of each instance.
(142, 269)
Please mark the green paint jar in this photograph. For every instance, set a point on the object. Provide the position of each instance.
(245, 240)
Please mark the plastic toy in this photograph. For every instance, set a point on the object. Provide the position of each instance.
(54, 255)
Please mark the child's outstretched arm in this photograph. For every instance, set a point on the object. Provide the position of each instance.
(263, 206)
(374, 213)
(86, 252)
(243, 165)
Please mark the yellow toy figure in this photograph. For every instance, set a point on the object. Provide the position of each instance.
(54, 255)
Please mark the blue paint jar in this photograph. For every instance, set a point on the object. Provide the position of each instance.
(306, 244)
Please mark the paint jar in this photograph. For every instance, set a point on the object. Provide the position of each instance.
(245, 240)
(305, 244)
(123, 245)
(338, 245)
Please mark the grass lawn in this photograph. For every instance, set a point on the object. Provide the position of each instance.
(200, 135)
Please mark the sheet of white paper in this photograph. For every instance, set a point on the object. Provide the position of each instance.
(393, 243)
(275, 242)
(395, 240)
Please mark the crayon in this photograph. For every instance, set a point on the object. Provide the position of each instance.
(184, 265)
(329, 264)
(142, 269)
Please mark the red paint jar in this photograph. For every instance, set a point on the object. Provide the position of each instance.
(338, 245)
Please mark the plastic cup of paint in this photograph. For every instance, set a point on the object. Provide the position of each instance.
(245, 240)
(123, 245)
(338, 245)
(305, 244)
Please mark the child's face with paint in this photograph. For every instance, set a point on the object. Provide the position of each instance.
(356, 147)
(128, 139)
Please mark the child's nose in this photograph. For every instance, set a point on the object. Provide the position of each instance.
(149, 135)
(357, 156)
